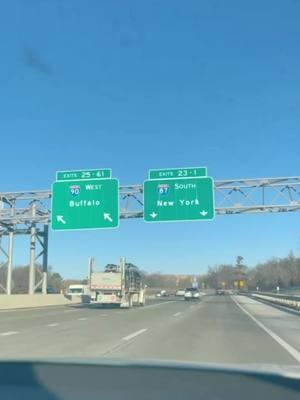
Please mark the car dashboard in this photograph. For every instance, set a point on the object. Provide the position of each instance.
(116, 379)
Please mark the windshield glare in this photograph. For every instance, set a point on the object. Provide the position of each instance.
(150, 181)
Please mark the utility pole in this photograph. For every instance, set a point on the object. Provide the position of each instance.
(32, 252)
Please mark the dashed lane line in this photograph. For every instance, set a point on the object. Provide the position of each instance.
(9, 333)
(159, 304)
(177, 314)
(134, 334)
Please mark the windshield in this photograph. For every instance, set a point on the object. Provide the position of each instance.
(150, 155)
(75, 290)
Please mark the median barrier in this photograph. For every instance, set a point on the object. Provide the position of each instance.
(36, 300)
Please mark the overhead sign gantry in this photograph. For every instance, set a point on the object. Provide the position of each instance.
(28, 212)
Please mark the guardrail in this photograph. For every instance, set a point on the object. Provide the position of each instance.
(289, 301)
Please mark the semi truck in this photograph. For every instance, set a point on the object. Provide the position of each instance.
(119, 285)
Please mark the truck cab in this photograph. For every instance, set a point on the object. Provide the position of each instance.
(79, 291)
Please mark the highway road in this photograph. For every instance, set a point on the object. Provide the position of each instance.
(217, 329)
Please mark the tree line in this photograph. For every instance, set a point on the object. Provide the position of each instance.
(282, 272)
(275, 272)
(20, 277)
(158, 280)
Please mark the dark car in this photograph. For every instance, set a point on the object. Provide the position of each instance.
(50, 290)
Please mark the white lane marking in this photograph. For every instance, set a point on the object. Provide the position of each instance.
(54, 324)
(177, 314)
(159, 304)
(82, 319)
(290, 349)
(9, 333)
(134, 334)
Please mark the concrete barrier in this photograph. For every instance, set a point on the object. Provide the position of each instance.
(35, 300)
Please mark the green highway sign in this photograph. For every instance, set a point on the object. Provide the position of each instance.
(180, 199)
(83, 174)
(177, 173)
(85, 204)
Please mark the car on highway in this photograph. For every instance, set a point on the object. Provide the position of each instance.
(191, 294)
(230, 291)
(50, 290)
(180, 292)
(162, 293)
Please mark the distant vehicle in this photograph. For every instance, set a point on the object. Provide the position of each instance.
(191, 294)
(230, 291)
(220, 291)
(78, 290)
(118, 285)
(50, 290)
(162, 293)
(180, 292)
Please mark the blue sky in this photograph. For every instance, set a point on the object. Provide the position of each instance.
(136, 85)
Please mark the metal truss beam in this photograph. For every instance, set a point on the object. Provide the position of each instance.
(239, 196)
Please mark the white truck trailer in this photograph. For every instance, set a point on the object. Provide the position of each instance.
(119, 284)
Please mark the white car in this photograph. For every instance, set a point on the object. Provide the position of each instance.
(191, 294)
(180, 292)
(162, 293)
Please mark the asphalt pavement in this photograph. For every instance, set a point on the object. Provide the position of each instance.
(217, 329)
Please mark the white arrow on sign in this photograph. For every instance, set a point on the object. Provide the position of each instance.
(203, 213)
(107, 217)
(60, 218)
(153, 215)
